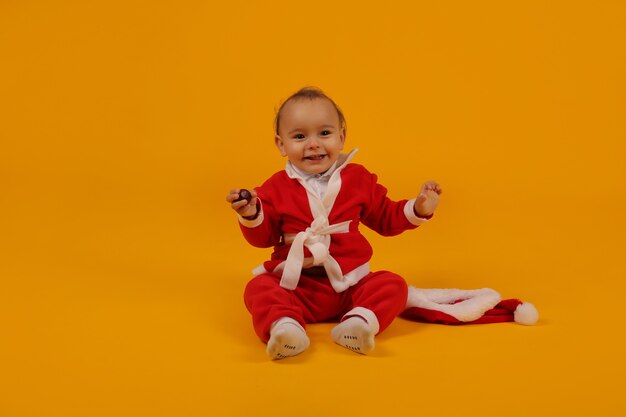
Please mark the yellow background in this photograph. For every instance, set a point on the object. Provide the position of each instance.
(123, 124)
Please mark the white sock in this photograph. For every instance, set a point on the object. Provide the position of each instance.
(355, 334)
(287, 338)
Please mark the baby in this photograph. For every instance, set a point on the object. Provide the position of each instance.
(310, 213)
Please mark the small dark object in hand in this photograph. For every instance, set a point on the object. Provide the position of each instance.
(244, 195)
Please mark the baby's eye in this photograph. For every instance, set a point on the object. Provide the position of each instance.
(325, 132)
(299, 136)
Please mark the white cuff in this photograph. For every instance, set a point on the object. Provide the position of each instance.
(287, 320)
(255, 222)
(368, 315)
(410, 213)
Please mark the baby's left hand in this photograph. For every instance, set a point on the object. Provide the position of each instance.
(428, 199)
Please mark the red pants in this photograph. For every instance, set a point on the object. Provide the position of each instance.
(314, 300)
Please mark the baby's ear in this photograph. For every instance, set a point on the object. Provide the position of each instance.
(342, 136)
(279, 144)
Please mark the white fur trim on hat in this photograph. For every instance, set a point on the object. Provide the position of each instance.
(473, 304)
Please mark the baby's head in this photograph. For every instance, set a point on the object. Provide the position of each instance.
(310, 130)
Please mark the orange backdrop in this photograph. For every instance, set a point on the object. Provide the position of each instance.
(123, 124)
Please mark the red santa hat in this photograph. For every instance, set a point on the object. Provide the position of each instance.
(454, 306)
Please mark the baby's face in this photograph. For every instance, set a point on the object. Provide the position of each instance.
(310, 135)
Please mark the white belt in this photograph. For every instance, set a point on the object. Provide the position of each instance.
(316, 238)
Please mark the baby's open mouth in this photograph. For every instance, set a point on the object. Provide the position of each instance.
(315, 157)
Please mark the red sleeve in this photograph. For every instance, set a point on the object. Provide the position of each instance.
(267, 233)
(382, 214)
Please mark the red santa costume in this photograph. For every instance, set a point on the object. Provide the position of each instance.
(301, 222)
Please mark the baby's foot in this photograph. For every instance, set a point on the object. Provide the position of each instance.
(287, 338)
(355, 334)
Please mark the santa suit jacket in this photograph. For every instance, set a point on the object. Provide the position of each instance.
(298, 223)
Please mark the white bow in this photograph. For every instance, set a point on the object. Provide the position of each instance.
(316, 238)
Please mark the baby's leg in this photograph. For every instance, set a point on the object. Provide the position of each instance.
(277, 316)
(287, 338)
(376, 302)
(268, 302)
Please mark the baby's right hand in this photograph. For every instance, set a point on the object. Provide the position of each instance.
(243, 207)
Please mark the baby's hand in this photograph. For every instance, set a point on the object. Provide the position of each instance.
(244, 208)
(428, 199)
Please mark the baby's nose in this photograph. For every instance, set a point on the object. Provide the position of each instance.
(313, 142)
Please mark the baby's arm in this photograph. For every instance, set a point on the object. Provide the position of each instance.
(428, 199)
(244, 208)
(256, 220)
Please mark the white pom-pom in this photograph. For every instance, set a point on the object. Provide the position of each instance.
(526, 314)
